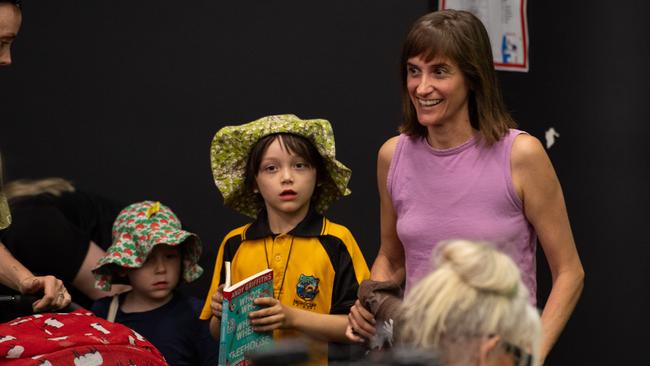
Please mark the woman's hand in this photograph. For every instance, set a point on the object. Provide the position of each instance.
(216, 303)
(273, 316)
(55, 295)
(361, 324)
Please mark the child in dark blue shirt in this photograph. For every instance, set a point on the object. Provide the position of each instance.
(152, 253)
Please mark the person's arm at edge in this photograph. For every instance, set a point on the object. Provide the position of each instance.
(12, 272)
(537, 184)
(19, 278)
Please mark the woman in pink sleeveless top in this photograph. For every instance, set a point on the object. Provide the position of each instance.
(459, 170)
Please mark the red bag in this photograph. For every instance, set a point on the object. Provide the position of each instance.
(78, 338)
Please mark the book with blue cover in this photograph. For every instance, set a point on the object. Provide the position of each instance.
(237, 337)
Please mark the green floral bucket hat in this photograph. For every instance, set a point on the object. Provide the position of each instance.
(136, 231)
(232, 144)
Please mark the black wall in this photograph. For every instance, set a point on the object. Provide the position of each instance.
(124, 97)
(588, 80)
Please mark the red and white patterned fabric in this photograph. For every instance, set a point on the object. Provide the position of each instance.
(76, 339)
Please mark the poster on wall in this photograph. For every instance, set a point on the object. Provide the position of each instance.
(506, 23)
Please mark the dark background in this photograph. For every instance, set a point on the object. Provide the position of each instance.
(124, 97)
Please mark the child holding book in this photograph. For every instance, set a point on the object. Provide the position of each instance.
(282, 172)
(152, 253)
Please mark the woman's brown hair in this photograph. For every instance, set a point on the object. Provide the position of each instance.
(461, 37)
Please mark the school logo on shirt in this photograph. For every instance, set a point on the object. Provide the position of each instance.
(307, 287)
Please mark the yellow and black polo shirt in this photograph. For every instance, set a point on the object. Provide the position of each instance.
(317, 266)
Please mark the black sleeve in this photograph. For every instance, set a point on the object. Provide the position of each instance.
(46, 242)
(344, 293)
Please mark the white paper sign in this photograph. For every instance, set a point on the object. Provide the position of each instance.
(507, 25)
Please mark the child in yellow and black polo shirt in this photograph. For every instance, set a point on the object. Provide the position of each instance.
(282, 171)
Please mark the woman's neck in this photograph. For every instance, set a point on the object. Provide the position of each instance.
(137, 303)
(447, 136)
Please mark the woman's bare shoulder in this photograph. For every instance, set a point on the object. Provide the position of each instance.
(387, 150)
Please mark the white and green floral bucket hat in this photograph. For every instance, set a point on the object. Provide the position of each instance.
(136, 231)
(232, 144)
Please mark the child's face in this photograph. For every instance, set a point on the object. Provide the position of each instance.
(285, 181)
(159, 275)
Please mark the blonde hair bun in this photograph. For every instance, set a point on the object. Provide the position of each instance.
(474, 292)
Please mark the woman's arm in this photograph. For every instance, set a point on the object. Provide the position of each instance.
(16, 276)
(12, 272)
(389, 264)
(536, 183)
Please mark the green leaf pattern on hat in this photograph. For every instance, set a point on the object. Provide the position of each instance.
(232, 144)
(136, 231)
(5, 214)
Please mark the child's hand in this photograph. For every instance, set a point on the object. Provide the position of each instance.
(216, 304)
(273, 316)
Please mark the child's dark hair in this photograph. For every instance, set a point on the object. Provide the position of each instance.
(295, 145)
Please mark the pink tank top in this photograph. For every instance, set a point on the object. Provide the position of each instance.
(464, 192)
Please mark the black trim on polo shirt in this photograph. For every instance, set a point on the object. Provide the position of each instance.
(344, 290)
(258, 228)
(310, 226)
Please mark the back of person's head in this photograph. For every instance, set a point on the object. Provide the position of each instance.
(474, 297)
(33, 187)
(461, 37)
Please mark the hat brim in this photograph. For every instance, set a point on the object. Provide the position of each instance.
(108, 268)
(231, 146)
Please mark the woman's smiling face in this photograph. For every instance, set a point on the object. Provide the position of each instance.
(437, 89)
